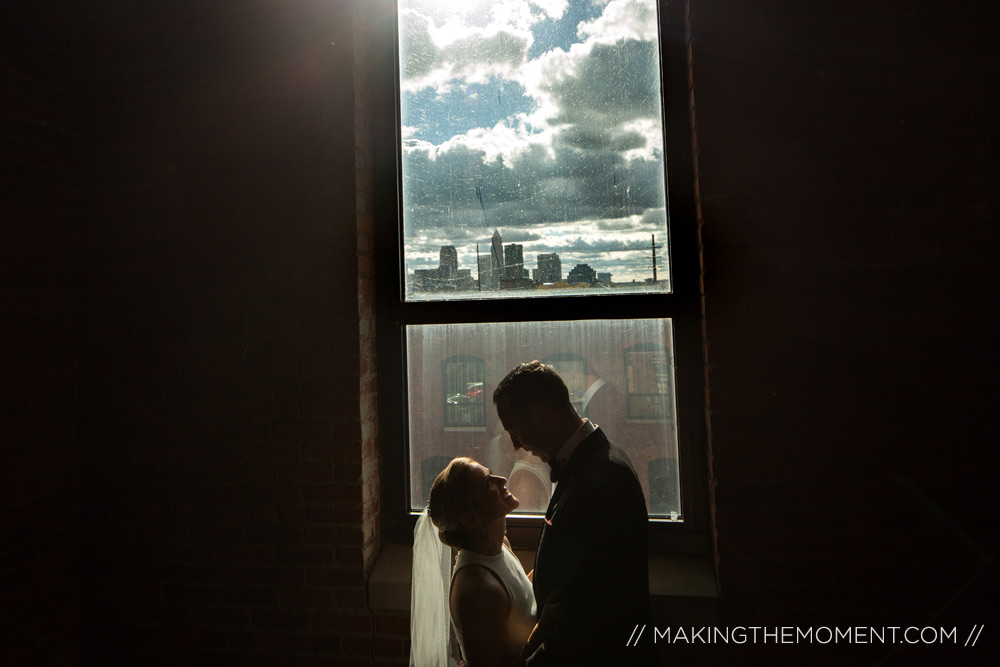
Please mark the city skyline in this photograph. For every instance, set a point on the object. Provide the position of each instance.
(505, 267)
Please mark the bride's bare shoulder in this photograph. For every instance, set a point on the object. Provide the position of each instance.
(476, 586)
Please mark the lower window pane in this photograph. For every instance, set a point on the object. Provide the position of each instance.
(620, 376)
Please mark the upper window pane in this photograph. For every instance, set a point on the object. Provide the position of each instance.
(532, 153)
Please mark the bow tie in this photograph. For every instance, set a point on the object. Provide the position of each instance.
(555, 470)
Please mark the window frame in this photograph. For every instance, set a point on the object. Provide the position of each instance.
(682, 305)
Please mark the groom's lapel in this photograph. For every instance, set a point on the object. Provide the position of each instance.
(592, 442)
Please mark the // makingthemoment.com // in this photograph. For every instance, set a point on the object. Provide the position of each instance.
(805, 635)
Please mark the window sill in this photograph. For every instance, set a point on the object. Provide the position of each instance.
(669, 576)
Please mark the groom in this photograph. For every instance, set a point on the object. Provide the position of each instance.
(592, 555)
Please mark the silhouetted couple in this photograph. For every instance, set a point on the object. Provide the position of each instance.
(590, 585)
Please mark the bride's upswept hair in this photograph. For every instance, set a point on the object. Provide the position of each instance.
(450, 498)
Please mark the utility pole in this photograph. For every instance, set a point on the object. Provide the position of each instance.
(653, 247)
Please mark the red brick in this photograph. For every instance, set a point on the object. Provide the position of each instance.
(303, 556)
(307, 597)
(346, 493)
(326, 643)
(341, 661)
(320, 514)
(389, 647)
(357, 645)
(352, 598)
(271, 452)
(318, 493)
(284, 619)
(282, 642)
(343, 623)
(349, 556)
(335, 577)
(305, 472)
(334, 535)
(318, 451)
(303, 430)
(392, 624)
(347, 472)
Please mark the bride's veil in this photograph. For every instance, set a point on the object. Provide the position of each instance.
(430, 616)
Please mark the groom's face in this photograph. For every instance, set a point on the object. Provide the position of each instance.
(525, 432)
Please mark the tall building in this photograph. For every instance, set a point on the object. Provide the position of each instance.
(513, 255)
(549, 268)
(449, 262)
(582, 273)
(496, 259)
(463, 280)
(447, 276)
(425, 280)
(487, 278)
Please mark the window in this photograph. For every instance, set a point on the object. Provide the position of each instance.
(573, 369)
(648, 382)
(537, 203)
(462, 378)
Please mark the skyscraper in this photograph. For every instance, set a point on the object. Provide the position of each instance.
(496, 258)
(486, 275)
(582, 273)
(449, 262)
(513, 254)
(549, 268)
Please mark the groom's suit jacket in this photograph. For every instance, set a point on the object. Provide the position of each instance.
(593, 553)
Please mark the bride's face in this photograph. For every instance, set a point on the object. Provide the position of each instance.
(490, 496)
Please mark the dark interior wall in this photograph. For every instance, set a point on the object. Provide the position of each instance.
(849, 197)
(39, 491)
(222, 368)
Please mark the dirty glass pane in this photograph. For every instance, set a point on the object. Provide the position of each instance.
(648, 376)
(599, 360)
(464, 402)
(532, 148)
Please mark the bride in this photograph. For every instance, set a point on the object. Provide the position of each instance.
(490, 599)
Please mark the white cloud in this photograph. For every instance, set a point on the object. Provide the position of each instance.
(499, 142)
(609, 85)
(622, 19)
(476, 57)
(444, 44)
(553, 9)
(419, 54)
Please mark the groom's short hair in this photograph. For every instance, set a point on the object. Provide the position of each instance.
(532, 383)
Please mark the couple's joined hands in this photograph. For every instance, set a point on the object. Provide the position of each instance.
(544, 625)
(548, 619)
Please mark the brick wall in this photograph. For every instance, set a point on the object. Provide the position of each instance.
(230, 472)
(849, 203)
(39, 378)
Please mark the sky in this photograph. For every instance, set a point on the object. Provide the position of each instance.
(540, 118)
